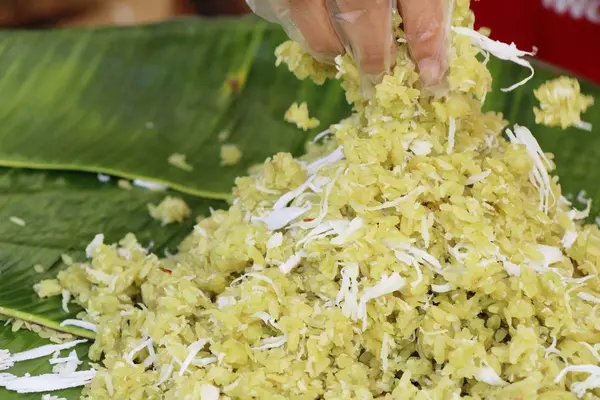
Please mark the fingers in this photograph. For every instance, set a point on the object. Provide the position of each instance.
(305, 21)
(312, 19)
(426, 23)
(267, 9)
(365, 28)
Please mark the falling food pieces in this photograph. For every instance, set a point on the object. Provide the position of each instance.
(124, 184)
(562, 103)
(298, 115)
(223, 135)
(230, 154)
(180, 161)
(170, 210)
(17, 221)
(66, 259)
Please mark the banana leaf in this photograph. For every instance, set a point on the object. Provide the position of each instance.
(62, 212)
(121, 100)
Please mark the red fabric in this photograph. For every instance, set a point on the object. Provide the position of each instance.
(566, 32)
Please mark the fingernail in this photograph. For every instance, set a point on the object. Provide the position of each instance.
(323, 57)
(430, 71)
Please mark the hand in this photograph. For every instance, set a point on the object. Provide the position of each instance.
(364, 29)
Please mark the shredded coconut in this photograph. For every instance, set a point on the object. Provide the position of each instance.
(80, 324)
(321, 135)
(67, 365)
(478, 177)
(292, 262)
(51, 397)
(582, 197)
(333, 157)
(421, 147)
(225, 301)
(579, 388)
(94, 245)
(7, 360)
(445, 288)
(66, 297)
(488, 375)
(588, 297)
(385, 286)
(451, 135)
(280, 218)
(152, 186)
(576, 215)
(342, 237)
(539, 176)
(348, 293)
(143, 344)
(193, 349)
(569, 239)
(385, 351)
(166, 371)
(394, 203)
(103, 178)
(270, 343)
(209, 392)
(288, 197)
(49, 382)
(503, 51)
(275, 240)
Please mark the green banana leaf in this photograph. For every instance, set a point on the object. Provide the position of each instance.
(62, 212)
(121, 100)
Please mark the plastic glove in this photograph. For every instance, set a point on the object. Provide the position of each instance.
(364, 29)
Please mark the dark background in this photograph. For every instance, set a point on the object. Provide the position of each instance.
(56, 13)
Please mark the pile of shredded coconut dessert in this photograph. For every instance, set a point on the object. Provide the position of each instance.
(561, 104)
(421, 250)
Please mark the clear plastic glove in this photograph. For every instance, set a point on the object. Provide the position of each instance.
(364, 29)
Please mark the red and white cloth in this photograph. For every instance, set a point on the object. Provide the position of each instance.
(566, 32)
